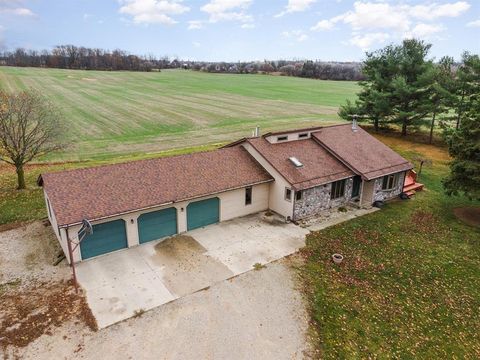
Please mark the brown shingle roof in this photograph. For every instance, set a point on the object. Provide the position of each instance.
(109, 190)
(319, 166)
(363, 153)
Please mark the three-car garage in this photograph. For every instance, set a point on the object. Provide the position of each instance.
(137, 202)
(112, 235)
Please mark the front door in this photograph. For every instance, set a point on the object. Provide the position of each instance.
(357, 181)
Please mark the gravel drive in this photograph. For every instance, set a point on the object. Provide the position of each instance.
(27, 254)
(256, 315)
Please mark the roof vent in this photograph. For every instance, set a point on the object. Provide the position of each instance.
(295, 161)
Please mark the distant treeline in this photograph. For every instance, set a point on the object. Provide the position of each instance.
(74, 57)
(305, 68)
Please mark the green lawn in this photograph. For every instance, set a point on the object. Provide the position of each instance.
(409, 284)
(112, 113)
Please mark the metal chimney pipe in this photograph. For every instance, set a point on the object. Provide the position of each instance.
(257, 130)
(354, 123)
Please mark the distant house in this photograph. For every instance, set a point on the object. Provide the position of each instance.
(296, 173)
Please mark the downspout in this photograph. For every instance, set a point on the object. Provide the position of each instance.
(293, 210)
(72, 263)
(361, 193)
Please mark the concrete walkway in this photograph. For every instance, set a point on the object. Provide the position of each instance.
(337, 218)
(138, 279)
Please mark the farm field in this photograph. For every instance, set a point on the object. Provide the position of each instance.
(123, 113)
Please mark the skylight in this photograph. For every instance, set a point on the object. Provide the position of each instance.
(295, 161)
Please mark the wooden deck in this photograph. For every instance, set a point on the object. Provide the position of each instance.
(411, 186)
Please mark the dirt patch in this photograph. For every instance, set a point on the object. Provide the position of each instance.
(29, 313)
(181, 247)
(11, 226)
(185, 265)
(89, 79)
(468, 215)
(424, 222)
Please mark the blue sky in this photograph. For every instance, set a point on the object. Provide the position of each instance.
(234, 30)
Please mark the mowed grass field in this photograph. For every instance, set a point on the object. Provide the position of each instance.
(119, 113)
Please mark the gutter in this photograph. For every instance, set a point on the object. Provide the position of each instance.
(394, 172)
(320, 184)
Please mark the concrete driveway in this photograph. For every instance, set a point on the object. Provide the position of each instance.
(138, 279)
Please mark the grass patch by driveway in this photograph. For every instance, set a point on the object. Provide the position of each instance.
(409, 284)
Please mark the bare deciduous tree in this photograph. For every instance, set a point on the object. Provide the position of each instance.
(30, 126)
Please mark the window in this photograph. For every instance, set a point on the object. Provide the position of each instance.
(248, 195)
(389, 182)
(298, 195)
(338, 189)
(288, 194)
(303, 135)
(282, 138)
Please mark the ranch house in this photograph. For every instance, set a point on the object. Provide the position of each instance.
(296, 174)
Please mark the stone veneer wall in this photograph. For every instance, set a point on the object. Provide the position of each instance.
(382, 195)
(317, 199)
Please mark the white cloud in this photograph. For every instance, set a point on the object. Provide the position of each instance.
(296, 6)
(196, 44)
(19, 11)
(371, 21)
(475, 23)
(434, 11)
(297, 35)
(376, 16)
(195, 24)
(424, 31)
(365, 41)
(153, 11)
(325, 24)
(248, 26)
(228, 10)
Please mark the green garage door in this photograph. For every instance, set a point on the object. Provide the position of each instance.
(201, 213)
(106, 237)
(157, 224)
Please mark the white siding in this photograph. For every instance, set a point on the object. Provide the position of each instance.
(276, 199)
(232, 203)
(290, 137)
(53, 221)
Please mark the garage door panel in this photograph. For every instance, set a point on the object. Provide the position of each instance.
(157, 224)
(106, 237)
(202, 213)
